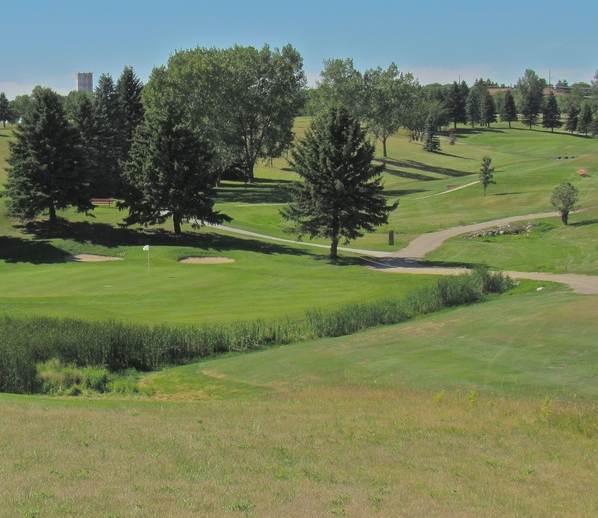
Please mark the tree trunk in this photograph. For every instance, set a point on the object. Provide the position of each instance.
(334, 249)
(52, 214)
(176, 220)
(384, 147)
(565, 217)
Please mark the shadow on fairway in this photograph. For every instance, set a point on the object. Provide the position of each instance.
(18, 250)
(112, 237)
(260, 191)
(583, 223)
(419, 166)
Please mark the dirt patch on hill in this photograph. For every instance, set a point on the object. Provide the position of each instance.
(206, 260)
(90, 258)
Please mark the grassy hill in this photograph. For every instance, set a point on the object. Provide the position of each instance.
(486, 410)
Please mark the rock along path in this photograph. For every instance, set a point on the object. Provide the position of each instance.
(408, 259)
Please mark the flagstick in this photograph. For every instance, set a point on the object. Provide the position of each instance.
(148, 262)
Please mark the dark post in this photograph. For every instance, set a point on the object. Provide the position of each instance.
(391, 237)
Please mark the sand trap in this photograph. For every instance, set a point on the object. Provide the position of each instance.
(90, 258)
(206, 260)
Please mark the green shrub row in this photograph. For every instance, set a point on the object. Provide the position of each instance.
(27, 342)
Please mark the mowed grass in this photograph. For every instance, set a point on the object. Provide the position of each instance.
(445, 416)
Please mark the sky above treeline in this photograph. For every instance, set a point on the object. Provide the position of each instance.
(45, 42)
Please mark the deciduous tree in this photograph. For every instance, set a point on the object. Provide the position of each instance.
(564, 199)
(341, 194)
(5, 115)
(486, 173)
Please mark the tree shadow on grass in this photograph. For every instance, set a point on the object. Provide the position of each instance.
(19, 250)
(260, 191)
(583, 223)
(419, 166)
(109, 236)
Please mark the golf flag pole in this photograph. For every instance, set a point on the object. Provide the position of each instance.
(146, 249)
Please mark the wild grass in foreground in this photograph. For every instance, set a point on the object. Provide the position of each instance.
(336, 451)
(27, 342)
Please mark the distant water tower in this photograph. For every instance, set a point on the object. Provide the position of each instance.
(84, 81)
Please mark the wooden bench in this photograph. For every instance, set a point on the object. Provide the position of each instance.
(102, 201)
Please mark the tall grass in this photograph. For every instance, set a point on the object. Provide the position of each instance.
(27, 342)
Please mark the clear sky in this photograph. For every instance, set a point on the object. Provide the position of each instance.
(45, 42)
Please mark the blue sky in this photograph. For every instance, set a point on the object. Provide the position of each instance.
(45, 42)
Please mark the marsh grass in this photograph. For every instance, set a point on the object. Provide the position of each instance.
(27, 342)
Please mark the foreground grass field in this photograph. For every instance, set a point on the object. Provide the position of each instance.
(391, 422)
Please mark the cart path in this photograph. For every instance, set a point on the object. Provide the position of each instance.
(408, 259)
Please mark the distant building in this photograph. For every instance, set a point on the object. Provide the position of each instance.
(84, 81)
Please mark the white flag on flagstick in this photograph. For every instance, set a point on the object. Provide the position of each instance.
(146, 248)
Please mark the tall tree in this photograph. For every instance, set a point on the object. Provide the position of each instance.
(128, 94)
(551, 115)
(340, 84)
(45, 173)
(572, 118)
(486, 173)
(531, 91)
(487, 108)
(456, 103)
(5, 115)
(110, 138)
(341, 195)
(19, 105)
(473, 106)
(388, 95)
(169, 174)
(242, 99)
(509, 110)
(584, 120)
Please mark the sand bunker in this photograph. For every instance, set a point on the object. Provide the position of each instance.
(90, 258)
(206, 260)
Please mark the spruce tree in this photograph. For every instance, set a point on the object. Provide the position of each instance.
(128, 94)
(572, 118)
(431, 140)
(473, 106)
(45, 173)
(487, 109)
(584, 120)
(341, 194)
(509, 110)
(169, 174)
(551, 115)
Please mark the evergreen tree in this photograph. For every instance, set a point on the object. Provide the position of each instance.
(531, 91)
(341, 195)
(4, 109)
(45, 172)
(551, 115)
(584, 120)
(509, 110)
(486, 173)
(110, 138)
(128, 93)
(431, 140)
(572, 118)
(473, 106)
(169, 174)
(487, 108)
(456, 103)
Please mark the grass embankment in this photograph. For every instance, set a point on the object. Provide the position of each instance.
(428, 418)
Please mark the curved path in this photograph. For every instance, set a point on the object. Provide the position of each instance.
(408, 259)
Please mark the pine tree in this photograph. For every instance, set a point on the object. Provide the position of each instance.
(473, 106)
(584, 120)
(572, 118)
(456, 102)
(169, 174)
(551, 115)
(431, 140)
(341, 195)
(509, 110)
(487, 109)
(45, 173)
(128, 94)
